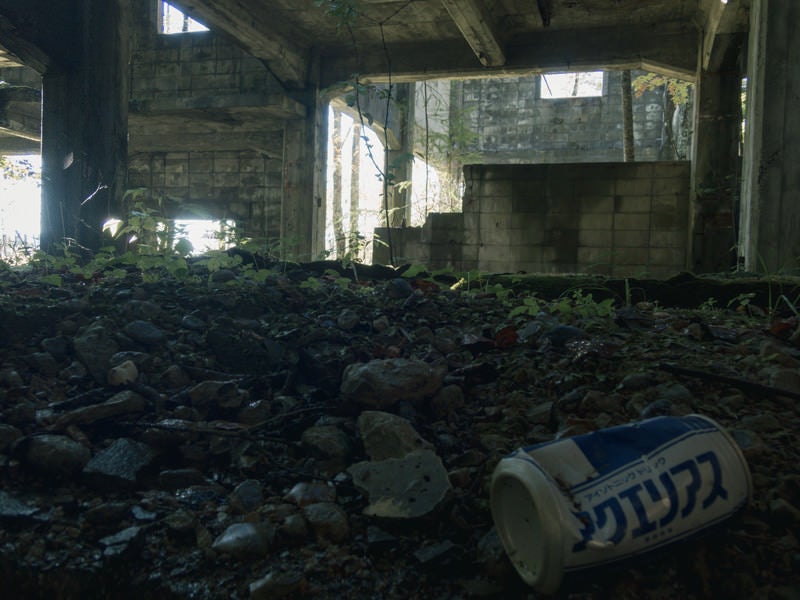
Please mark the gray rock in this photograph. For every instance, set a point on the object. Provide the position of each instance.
(122, 403)
(388, 436)
(383, 383)
(11, 508)
(327, 441)
(124, 373)
(398, 288)
(8, 435)
(57, 346)
(44, 363)
(193, 323)
(762, 422)
(244, 540)
(120, 463)
(403, 488)
(221, 394)
(247, 496)
(94, 346)
(123, 543)
(176, 479)
(278, 585)
(328, 521)
(303, 493)
(54, 454)
(348, 319)
(447, 402)
(144, 332)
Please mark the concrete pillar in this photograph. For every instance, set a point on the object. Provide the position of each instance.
(84, 129)
(715, 166)
(770, 218)
(301, 203)
(398, 164)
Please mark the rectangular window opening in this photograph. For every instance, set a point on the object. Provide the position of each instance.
(583, 84)
(172, 21)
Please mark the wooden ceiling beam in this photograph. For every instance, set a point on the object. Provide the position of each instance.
(475, 23)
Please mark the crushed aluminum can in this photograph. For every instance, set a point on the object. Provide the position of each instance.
(604, 496)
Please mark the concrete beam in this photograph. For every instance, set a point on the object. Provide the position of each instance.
(276, 106)
(671, 50)
(720, 19)
(475, 23)
(147, 141)
(19, 51)
(257, 32)
(12, 145)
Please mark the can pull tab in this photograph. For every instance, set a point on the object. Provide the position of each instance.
(598, 545)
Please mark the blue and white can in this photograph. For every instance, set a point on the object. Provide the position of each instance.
(597, 498)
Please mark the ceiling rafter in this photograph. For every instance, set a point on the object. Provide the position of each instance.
(475, 23)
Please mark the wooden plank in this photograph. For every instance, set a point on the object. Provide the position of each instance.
(475, 23)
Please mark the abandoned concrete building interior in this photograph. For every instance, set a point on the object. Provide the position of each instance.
(232, 122)
(502, 303)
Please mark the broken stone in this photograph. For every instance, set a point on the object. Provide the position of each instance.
(383, 383)
(120, 463)
(303, 494)
(123, 373)
(13, 509)
(388, 436)
(95, 345)
(122, 403)
(247, 496)
(278, 585)
(403, 488)
(8, 435)
(245, 540)
(144, 332)
(54, 454)
(328, 521)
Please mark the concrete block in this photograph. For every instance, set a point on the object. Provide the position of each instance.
(527, 236)
(674, 257)
(226, 165)
(596, 204)
(633, 270)
(669, 220)
(628, 256)
(667, 203)
(594, 256)
(222, 180)
(594, 238)
(631, 221)
(496, 189)
(632, 204)
(588, 185)
(667, 238)
(671, 185)
(595, 221)
(632, 239)
(633, 187)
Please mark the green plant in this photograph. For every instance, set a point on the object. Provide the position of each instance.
(530, 307)
(579, 305)
(709, 304)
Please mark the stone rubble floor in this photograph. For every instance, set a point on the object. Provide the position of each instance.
(248, 433)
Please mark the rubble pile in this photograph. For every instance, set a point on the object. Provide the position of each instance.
(309, 435)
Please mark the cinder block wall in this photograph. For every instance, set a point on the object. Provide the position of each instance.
(240, 185)
(514, 124)
(617, 219)
(195, 121)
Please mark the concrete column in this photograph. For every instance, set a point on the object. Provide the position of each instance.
(770, 219)
(398, 165)
(84, 129)
(299, 203)
(715, 166)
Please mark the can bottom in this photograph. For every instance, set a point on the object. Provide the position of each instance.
(528, 522)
